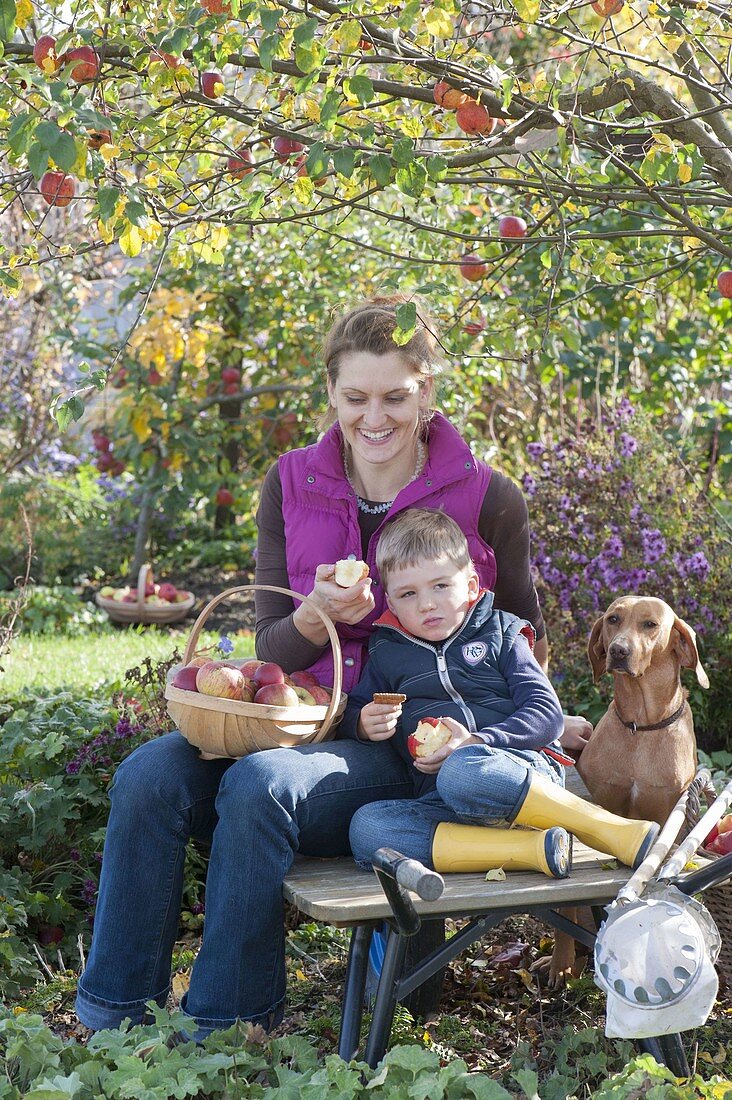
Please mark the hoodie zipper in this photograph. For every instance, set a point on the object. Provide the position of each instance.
(442, 671)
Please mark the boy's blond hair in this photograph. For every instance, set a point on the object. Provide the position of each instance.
(417, 535)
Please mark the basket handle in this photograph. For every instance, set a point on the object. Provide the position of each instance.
(327, 623)
(142, 576)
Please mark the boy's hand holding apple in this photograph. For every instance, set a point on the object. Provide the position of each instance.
(460, 736)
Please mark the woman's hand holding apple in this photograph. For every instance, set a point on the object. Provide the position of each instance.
(342, 605)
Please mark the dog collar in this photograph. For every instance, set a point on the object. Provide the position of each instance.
(657, 726)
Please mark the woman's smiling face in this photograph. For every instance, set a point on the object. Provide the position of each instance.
(378, 399)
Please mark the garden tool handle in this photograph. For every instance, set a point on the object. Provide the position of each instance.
(327, 622)
(640, 878)
(409, 873)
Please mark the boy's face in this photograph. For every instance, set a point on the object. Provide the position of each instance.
(432, 598)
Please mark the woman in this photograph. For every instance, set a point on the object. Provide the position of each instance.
(319, 504)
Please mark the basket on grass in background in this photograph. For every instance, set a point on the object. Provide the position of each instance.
(141, 610)
(226, 727)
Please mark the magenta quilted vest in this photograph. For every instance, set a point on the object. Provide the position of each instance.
(321, 521)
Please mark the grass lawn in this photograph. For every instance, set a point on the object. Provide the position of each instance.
(84, 663)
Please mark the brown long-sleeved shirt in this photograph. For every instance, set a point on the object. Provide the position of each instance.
(503, 524)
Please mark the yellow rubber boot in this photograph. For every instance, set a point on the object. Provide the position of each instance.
(548, 804)
(480, 848)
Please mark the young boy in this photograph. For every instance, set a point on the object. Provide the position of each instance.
(444, 646)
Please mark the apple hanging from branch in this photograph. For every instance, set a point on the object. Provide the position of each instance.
(57, 188)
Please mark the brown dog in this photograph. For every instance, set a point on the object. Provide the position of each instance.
(642, 753)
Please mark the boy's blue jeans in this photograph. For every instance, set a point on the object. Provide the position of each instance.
(256, 812)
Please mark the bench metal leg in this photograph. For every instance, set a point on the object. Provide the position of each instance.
(353, 992)
(386, 998)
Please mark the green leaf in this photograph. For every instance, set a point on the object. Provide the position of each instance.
(255, 204)
(37, 160)
(136, 213)
(362, 87)
(176, 42)
(318, 161)
(268, 48)
(403, 152)
(436, 167)
(406, 315)
(305, 31)
(380, 168)
(20, 132)
(64, 151)
(310, 57)
(528, 10)
(344, 161)
(409, 14)
(411, 180)
(64, 412)
(7, 20)
(270, 17)
(329, 108)
(107, 198)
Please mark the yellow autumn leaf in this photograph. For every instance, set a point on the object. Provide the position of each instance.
(311, 110)
(664, 142)
(180, 983)
(303, 188)
(140, 424)
(219, 237)
(23, 16)
(348, 35)
(131, 240)
(106, 232)
(497, 874)
(684, 172)
(177, 459)
(438, 23)
(300, 975)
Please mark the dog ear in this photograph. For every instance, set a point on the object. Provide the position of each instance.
(683, 641)
(596, 650)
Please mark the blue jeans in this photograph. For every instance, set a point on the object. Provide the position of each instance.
(477, 785)
(256, 812)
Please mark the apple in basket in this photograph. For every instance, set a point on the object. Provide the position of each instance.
(167, 591)
(215, 679)
(304, 679)
(320, 694)
(182, 596)
(269, 673)
(107, 592)
(250, 667)
(720, 838)
(277, 695)
(305, 697)
(185, 678)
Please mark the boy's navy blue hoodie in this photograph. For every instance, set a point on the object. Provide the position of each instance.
(484, 675)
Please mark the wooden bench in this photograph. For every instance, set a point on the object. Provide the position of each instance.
(337, 892)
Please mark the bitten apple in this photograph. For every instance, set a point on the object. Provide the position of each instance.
(349, 571)
(430, 735)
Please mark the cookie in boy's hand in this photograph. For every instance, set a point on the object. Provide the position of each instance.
(393, 698)
(430, 735)
(349, 571)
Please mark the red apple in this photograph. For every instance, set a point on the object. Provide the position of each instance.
(44, 54)
(230, 374)
(277, 695)
(248, 691)
(365, 44)
(224, 498)
(57, 188)
(607, 7)
(154, 377)
(105, 462)
(216, 7)
(430, 735)
(167, 591)
(725, 824)
(212, 84)
(117, 468)
(284, 148)
(448, 97)
(102, 442)
(473, 268)
(303, 678)
(215, 679)
(320, 694)
(268, 673)
(185, 678)
(249, 668)
(722, 845)
(87, 63)
(231, 388)
(473, 118)
(242, 163)
(710, 837)
(511, 226)
(169, 60)
(724, 284)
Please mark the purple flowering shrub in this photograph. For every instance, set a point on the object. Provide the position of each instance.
(614, 512)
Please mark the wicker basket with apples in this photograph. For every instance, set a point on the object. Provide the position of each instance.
(234, 707)
(147, 603)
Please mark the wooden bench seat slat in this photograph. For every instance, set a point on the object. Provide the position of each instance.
(337, 892)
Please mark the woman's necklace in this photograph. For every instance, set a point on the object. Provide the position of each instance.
(377, 509)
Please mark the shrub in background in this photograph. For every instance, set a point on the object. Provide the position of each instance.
(56, 609)
(613, 511)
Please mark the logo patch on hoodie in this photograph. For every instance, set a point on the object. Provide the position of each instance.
(474, 652)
